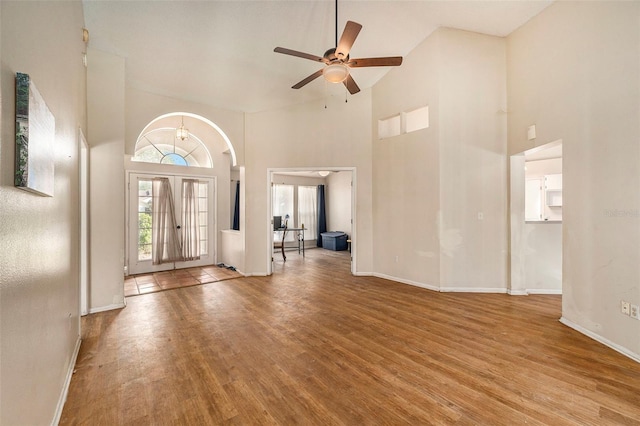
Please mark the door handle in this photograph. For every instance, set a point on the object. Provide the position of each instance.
(178, 227)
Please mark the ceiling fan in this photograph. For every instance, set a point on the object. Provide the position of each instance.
(337, 61)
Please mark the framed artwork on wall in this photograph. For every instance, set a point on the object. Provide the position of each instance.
(35, 139)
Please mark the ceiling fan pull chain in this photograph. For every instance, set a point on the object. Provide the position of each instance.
(325, 94)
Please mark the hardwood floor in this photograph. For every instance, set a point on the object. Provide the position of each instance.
(314, 345)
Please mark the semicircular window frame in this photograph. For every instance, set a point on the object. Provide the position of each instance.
(161, 146)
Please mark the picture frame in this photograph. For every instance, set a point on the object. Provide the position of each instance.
(35, 139)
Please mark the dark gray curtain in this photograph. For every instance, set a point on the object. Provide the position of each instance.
(322, 217)
(236, 210)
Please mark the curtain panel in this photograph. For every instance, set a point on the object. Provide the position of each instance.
(190, 220)
(165, 241)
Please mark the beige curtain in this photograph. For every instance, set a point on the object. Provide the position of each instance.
(190, 220)
(165, 241)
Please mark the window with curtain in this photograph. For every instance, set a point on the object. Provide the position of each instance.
(282, 205)
(308, 210)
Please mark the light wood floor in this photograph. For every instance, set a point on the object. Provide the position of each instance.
(313, 345)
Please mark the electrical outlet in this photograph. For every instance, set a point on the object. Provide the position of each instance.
(634, 312)
(625, 307)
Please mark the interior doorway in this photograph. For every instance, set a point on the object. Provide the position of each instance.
(141, 212)
(536, 220)
(292, 196)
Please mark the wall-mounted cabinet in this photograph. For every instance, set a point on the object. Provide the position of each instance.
(543, 198)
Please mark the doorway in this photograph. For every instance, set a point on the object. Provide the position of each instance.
(339, 194)
(536, 220)
(141, 207)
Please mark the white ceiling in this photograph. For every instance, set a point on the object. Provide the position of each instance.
(221, 52)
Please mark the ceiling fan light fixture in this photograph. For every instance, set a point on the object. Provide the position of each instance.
(324, 173)
(335, 73)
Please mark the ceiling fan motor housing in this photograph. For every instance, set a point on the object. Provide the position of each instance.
(331, 56)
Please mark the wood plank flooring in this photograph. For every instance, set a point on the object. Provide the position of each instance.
(313, 345)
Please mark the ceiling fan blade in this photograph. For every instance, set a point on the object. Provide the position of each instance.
(390, 61)
(351, 85)
(307, 80)
(299, 54)
(347, 39)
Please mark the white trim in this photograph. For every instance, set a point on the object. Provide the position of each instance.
(473, 290)
(83, 178)
(624, 351)
(67, 382)
(529, 291)
(364, 274)
(557, 291)
(256, 274)
(442, 289)
(108, 308)
(409, 282)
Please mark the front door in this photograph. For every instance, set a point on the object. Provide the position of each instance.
(141, 208)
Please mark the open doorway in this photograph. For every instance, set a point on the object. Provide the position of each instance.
(295, 201)
(536, 220)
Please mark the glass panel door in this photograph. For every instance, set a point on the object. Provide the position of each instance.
(141, 223)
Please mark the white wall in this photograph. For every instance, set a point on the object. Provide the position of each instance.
(308, 136)
(432, 186)
(473, 172)
(573, 71)
(338, 200)
(39, 259)
(105, 135)
(406, 172)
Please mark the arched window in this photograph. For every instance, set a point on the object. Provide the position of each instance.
(172, 145)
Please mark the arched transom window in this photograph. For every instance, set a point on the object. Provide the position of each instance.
(172, 145)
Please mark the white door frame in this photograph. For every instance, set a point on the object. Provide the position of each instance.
(213, 227)
(269, 218)
(84, 223)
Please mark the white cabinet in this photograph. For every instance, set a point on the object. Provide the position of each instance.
(543, 198)
(553, 190)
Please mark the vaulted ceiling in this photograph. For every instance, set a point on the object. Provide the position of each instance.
(221, 52)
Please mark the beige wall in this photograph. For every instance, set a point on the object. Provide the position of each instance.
(39, 270)
(574, 72)
(440, 193)
(307, 136)
(338, 202)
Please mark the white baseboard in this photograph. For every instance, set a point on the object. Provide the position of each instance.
(108, 307)
(65, 390)
(529, 291)
(557, 291)
(624, 351)
(404, 281)
(473, 290)
(363, 274)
